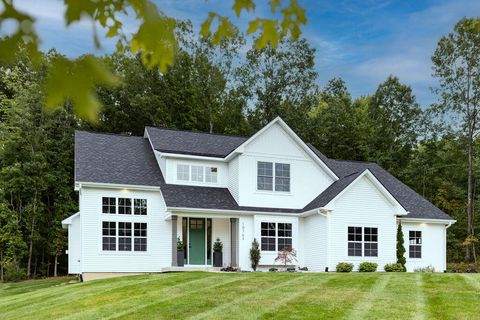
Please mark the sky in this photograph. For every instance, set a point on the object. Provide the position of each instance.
(361, 41)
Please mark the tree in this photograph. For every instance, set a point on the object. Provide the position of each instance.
(254, 255)
(279, 82)
(395, 121)
(12, 247)
(286, 256)
(456, 65)
(154, 40)
(400, 247)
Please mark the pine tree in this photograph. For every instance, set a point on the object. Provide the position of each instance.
(254, 254)
(400, 248)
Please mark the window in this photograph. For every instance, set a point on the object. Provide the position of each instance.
(370, 245)
(124, 206)
(140, 207)
(140, 237)
(211, 174)
(284, 236)
(196, 224)
(282, 177)
(355, 241)
(275, 236)
(369, 242)
(109, 205)
(264, 176)
(109, 234)
(268, 236)
(183, 172)
(125, 236)
(197, 173)
(415, 244)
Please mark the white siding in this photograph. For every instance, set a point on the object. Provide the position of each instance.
(315, 242)
(307, 178)
(433, 246)
(75, 246)
(158, 253)
(233, 175)
(362, 205)
(245, 240)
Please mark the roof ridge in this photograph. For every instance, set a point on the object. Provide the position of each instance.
(199, 132)
(108, 133)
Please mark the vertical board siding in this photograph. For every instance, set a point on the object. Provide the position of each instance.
(158, 253)
(315, 242)
(362, 205)
(233, 174)
(221, 230)
(245, 239)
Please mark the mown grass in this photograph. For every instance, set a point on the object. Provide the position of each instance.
(200, 295)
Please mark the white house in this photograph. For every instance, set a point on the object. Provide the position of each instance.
(137, 195)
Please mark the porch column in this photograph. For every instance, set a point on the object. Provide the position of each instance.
(174, 241)
(234, 241)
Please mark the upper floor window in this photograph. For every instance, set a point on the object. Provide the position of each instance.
(203, 174)
(183, 172)
(275, 236)
(415, 244)
(362, 238)
(121, 233)
(269, 180)
(109, 205)
(124, 206)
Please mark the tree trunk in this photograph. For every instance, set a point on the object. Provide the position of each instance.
(32, 230)
(470, 192)
(55, 266)
(1, 266)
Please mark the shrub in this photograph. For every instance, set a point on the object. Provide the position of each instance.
(463, 267)
(14, 273)
(254, 255)
(394, 267)
(217, 246)
(229, 269)
(273, 270)
(367, 267)
(180, 245)
(344, 267)
(425, 269)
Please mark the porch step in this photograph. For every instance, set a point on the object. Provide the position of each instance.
(191, 268)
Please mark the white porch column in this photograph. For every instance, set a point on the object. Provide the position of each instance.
(174, 241)
(234, 242)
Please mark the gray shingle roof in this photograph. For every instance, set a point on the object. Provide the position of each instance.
(108, 158)
(97, 160)
(194, 143)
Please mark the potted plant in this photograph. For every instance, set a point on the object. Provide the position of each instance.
(217, 253)
(180, 253)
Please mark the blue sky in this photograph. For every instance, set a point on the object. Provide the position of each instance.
(360, 41)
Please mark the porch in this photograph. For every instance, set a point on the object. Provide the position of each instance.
(198, 234)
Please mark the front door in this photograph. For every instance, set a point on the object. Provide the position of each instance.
(197, 241)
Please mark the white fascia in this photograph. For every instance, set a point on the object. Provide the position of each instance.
(68, 221)
(224, 213)
(190, 157)
(446, 222)
(79, 185)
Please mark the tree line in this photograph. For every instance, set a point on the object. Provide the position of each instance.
(222, 89)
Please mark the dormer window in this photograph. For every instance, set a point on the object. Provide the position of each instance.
(196, 173)
(269, 180)
(183, 172)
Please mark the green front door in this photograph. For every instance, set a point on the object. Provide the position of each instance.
(197, 241)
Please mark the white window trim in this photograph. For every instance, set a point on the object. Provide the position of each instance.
(420, 245)
(116, 214)
(362, 257)
(276, 236)
(117, 252)
(273, 191)
(190, 180)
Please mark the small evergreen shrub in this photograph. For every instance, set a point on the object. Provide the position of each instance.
(367, 267)
(254, 255)
(344, 267)
(394, 267)
(429, 269)
(217, 246)
(273, 270)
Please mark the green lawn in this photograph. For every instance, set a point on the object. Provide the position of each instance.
(200, 295)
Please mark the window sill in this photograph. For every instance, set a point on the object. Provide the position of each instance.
(124, 253)
(274, 193)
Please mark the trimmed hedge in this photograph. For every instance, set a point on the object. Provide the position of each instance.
(367, 267)
(394, 267)
(344, 267)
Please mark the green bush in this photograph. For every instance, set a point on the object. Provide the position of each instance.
(394, 267)
(13, 273)
(367, 267)
(344, 267)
